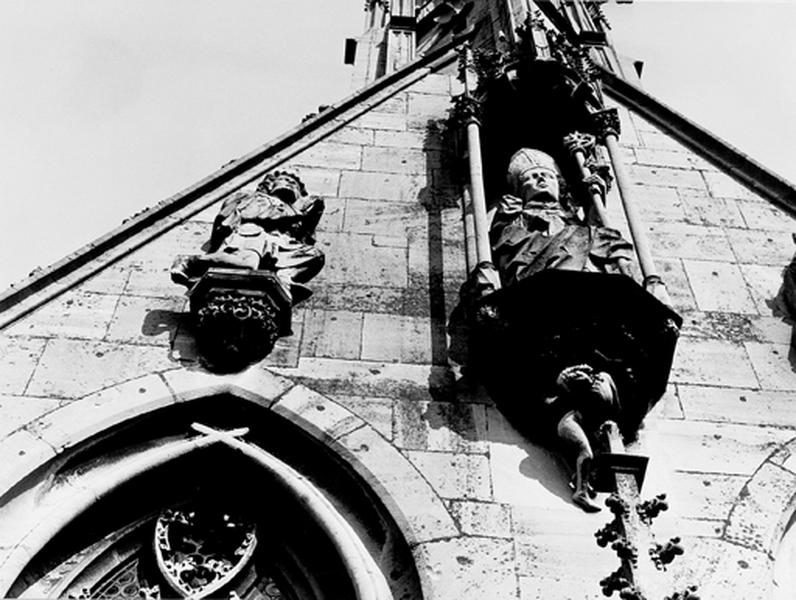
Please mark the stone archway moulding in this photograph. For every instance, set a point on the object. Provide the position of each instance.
(411, 501)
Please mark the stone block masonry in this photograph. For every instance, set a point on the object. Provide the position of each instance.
(487, 512)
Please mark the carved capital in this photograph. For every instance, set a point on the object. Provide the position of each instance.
(606, 122)
(579, 142)
(466, 110)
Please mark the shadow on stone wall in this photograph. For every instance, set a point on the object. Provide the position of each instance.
(783, 305)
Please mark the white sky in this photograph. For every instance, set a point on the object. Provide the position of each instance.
(109, 106)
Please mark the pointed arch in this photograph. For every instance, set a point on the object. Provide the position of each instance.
(83, 426)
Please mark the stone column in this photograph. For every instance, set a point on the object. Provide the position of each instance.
(607, 121)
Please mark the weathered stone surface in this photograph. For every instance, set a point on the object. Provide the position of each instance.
(433, 83)
(358, 298)
(381, 120)
(659, 204)
(668, 407)
(765, 216)
(574, 560)
(657, 157)
(671, 240)
(412, 501)
(738, 406)
(152, 279)
(719, 325)
(407, 139)
(763, 509)
(486, 519)
(360, 378)
(761, 247)
(719, 286)
(773, 364)
(74, 368)
(394, 104)
(524, 474)
(701, 209)
(20, 453)
(398, 338)
(141, 320)
(763, 283)
(333, 215)
(316, 414)
(330, 155)
(333, 334)
(383, 186)
(710, 361)
(354, 259)
(20, 357)
(254, 384)
(723, 570)
(468, 568)
(398, 160)
(320, 181)
(19, 410)
(287, 348)
(702, 446)
(352, 135)
(703, 496)
(673, 274)
(440, 426)
(777, 330)
(665, 176)
(736, 327)
(430, 260)
(385, 218)
(656, 139)
(376, 412)
(559, 588)
(185, 238)
(80, 419)
(73, 315)
(110, 280)
(461, 476)
(428, 106)
(724, 186)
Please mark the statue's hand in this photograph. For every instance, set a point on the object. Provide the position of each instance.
(596, 184)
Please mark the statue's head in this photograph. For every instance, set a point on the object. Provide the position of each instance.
(284, 185)
(534, 175)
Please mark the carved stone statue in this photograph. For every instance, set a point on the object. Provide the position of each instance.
(260, 253)
(585, 399)
(538, 227)
(566, 330)
(270, 229)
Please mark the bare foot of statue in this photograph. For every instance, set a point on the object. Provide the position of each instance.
(583, 500)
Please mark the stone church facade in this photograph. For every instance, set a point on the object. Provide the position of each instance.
(359, 454)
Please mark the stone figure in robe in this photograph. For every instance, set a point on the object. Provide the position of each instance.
(537, 227)
(271, 228)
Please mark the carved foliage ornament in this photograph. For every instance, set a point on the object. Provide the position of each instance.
(232, 327)
(466, 109)
(198, 551)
